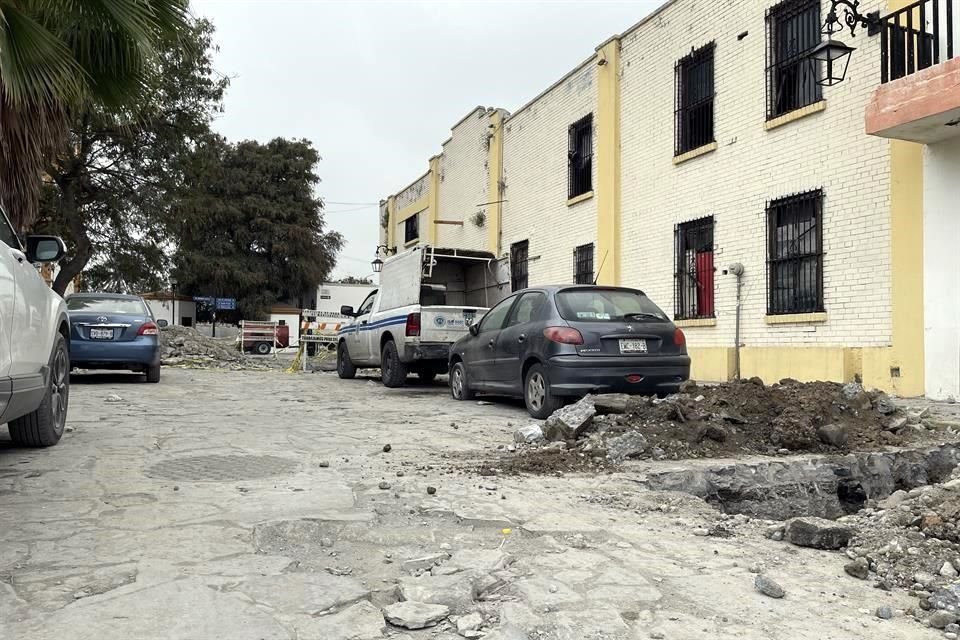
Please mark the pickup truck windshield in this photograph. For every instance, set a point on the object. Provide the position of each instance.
(608, 305)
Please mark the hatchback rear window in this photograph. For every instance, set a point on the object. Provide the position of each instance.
(608, 305)
(107, 305)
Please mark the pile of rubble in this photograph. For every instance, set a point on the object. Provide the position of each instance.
(735, 418)
(186, 347)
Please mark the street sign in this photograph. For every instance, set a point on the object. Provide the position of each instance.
(223, 304)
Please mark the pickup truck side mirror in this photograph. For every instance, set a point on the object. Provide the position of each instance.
(348, 311)
(475, 329)
(45, 249)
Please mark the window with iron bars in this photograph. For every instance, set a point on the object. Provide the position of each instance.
(793, 29)
(583, 264)
(411, 228)
(580, 156)
(795, 254)
(693, 276)
(519, 253)
(695, 92)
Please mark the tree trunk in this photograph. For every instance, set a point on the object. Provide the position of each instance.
(70, 269)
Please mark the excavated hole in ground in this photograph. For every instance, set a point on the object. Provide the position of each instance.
(826, 487)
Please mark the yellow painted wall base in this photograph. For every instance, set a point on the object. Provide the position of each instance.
(806, 364)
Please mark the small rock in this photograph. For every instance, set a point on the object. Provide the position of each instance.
(422, 564)
(400, 473)
(470, 622)
(924, 579)
(415, 615)
(756, 568)
(947, 571)
(896, 424)
(628, 445)
(768, 587)
(952, 628)
(833, 434)
(528, 435)
(702, 533)
(817, 533)
(859, 568)
(883, 404)
(851, 390)
(732, 417)
(326, 542)
(431, 490)
(688, 386)
(114, 398)
(893, 500)
(445, 546)
(712, 432)
(657, 635)
(384, 485)
(774, 532)
(553, 588)
(884, 613)
(941, 619)
(756, 381)
(323, 465)
(570, 422)
(387, 448)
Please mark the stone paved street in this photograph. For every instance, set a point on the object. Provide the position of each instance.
(262, 506)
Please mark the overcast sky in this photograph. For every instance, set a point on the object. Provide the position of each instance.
(376, 86)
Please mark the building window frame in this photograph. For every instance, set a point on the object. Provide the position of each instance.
(793, 30)
(694, 270)
(795, 254)
(580, 157)
(411, 228)
(519, 265)
(583, 264)
(694, 106)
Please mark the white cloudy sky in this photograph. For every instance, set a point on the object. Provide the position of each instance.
(376, 85)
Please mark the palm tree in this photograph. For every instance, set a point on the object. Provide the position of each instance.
(60, 55)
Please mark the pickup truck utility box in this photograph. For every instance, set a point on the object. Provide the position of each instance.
(427, 300)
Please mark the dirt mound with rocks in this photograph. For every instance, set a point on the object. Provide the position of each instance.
(186, 347)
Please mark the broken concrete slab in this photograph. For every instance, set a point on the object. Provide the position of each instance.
(570, 422)
(817, 533)
(362, 621)
(469, 623)
(481, 560)
(417, 565)
(310, 593)
(415, 615)
(630, 445)
(457, 591)
(528, 435)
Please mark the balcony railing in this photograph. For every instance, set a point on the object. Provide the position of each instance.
(919, 36)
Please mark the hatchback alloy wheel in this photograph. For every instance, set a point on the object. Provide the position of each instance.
(536, 391)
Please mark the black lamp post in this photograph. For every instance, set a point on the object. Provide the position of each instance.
(834, 55)
(173, 300)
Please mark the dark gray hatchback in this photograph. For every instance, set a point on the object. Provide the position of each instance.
(546, 344)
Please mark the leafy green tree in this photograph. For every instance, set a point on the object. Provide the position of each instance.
(253, 227)
(355, 280)
(111, 187)
(58, 57)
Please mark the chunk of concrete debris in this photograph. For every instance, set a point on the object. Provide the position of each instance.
(774, 532)
(859, 568)
(817, 533)
(712, 432)
(833, 434)
(688, 386)
(528, 435)
(851, 390)
(628, 445)
(613, 403)
(384, 485)
(114, 398)
(456, 592)
(570, 422)
(884, 613)
(883, 404)
(416, 565)
(469, 624)
(941, 619)
(897, 424)
(362, 621)
(506, 632)
(768, 587)
(893, 500)
(732, 417)
(415, 615)
(948, 571)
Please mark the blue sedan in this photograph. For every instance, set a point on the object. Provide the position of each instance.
(114, 331)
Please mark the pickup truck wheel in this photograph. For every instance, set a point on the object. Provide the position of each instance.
(345, 367)
(459, 388)
(393, 371)
(541, 403)
(153, 373)
(43, 427)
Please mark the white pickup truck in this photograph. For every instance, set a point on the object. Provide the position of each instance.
(427, 300)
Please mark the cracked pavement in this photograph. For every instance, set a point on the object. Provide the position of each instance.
(248, 505)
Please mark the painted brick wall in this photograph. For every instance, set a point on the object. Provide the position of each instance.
(463, 182)
(827, 150)
(535, 177)
(420, 188)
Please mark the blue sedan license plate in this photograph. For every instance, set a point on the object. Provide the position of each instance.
(633, 346)
(101, 334)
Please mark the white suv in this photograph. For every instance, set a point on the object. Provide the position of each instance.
(34, 341)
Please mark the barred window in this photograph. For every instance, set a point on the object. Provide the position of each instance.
(580, 156)
(793, 29)
(583, 264)
(411, 228)
(695, 92)
(795, 254)
(519, 252)
(693, 276)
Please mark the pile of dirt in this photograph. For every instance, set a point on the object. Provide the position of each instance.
(749, 417)
(186, 347)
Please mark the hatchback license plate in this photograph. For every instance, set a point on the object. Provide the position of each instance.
(101, 334)
(633, 346)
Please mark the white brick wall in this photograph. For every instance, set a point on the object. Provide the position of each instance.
(420, 188)
(828, 150)
(535, 175)
(463, 182)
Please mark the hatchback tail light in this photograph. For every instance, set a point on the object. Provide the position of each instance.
(413, 325)
(563, 335)
(148, 329)
(678, 338)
